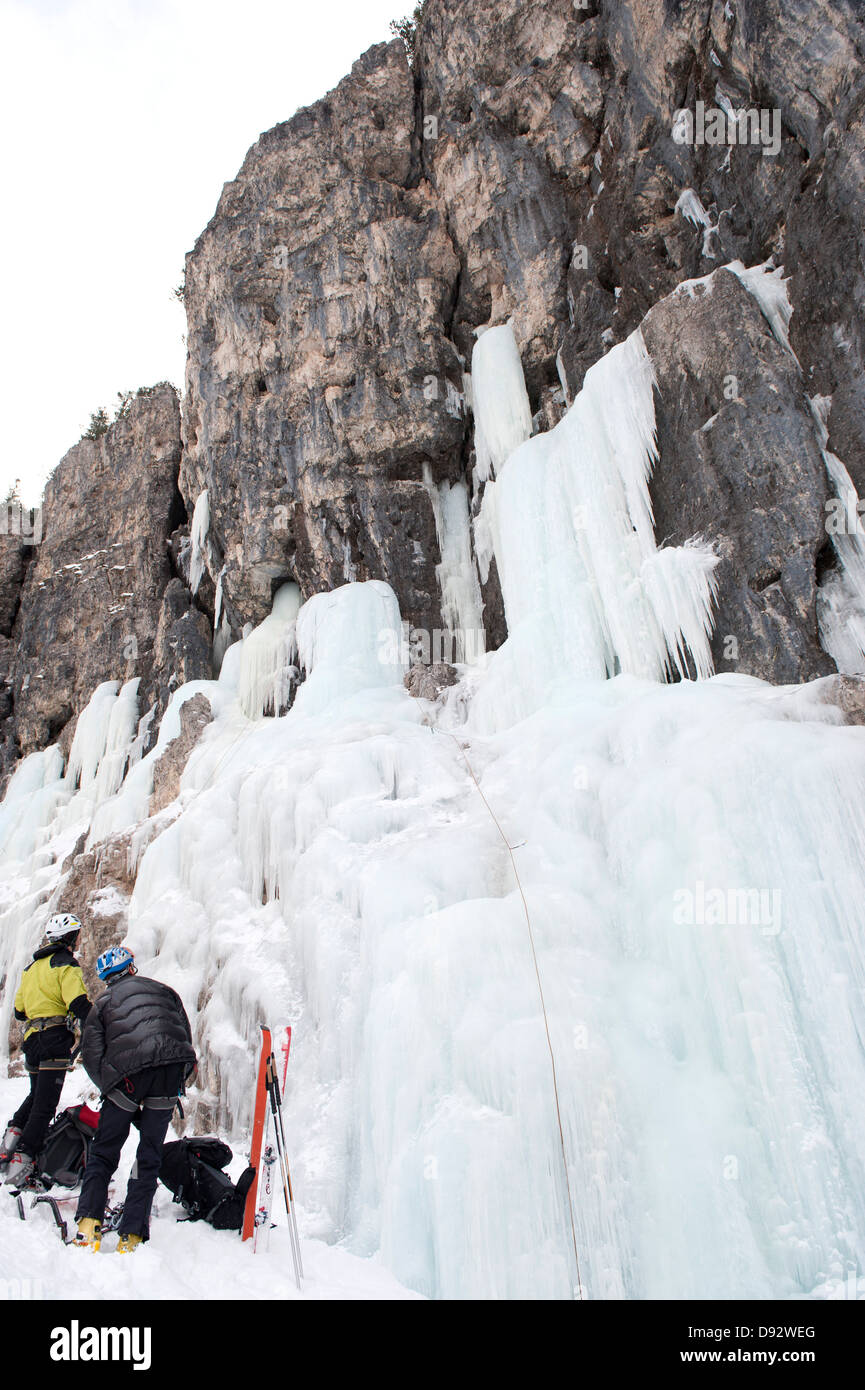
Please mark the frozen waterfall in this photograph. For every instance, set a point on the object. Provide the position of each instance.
(691, 856)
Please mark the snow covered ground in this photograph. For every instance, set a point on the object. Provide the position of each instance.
(183, 1260)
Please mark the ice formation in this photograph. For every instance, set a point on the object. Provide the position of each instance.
(198, 538)
(841, 595)
(462, 605)
(769, 288)
(691, 208)
(569, 518)
(691, 857)
(503, 416)
(268, 655)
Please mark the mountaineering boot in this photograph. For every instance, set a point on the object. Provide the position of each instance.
(9, 1144)
(89, 1235)
(21, 1167)
(127, 1244)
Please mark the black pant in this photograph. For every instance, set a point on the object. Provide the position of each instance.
(114, 1125)
(46, 1055)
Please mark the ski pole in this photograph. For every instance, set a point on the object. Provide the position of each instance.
(288, 1196)
(279, 1135)
(285, 1049)
(288, 1180)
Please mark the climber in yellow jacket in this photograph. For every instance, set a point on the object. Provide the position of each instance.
(50, 997)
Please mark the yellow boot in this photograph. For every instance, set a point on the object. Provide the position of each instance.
(89, 1235)
(127, 1244)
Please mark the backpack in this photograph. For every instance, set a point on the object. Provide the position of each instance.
(192, 1170)
(67, 1146)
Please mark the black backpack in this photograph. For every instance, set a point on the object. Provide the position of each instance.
(65, 1151)
(192, 1170)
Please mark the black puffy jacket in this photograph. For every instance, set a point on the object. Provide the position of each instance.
(136, 1023)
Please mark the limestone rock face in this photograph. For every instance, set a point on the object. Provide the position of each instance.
(97, 886)
(847, 693)
(195, 715)
(92, 606)
(740, 465)
(427, 682)
(14, 555)
(319, 300)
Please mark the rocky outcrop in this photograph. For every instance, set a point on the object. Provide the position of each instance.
(97, 602)
(741, 466)
(97, 887)
(14, 555)
(427, 682)
(847, 693)
(195, 715)
(321, 378)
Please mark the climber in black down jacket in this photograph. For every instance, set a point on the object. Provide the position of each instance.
(137, 1048)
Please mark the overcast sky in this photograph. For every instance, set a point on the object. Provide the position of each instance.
(121, 121)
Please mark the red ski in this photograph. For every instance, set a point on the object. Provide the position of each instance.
(285, 1049)
(260, 1113)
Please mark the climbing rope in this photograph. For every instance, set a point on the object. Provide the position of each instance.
(510, 850)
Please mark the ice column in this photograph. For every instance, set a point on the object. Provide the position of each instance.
(267, 657)
(503, 416)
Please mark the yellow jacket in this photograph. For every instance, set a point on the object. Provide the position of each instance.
(52, 985)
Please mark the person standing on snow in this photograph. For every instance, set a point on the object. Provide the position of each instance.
(50, 998)
(137, 1048)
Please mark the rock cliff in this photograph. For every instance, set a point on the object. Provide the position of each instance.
(547, 163)
(98, 599)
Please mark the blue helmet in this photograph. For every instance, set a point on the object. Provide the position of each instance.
(114, 961)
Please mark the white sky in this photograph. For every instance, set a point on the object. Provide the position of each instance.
(121, 120)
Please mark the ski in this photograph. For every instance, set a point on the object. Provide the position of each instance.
(258, 1119)
(263, 1211)
(285, 1049)
(265, 1205)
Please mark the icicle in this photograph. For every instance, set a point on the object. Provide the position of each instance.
(681, 586)
(217, 600)
(769, 288)
(268, 657)
(200, 528)
(348, 640)
(690, 207)
(122, 728)
(503, 416)
(462, 605)
(91, 735)
(586, 591)
(841, 596)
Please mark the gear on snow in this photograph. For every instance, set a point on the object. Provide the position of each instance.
(89, 1235)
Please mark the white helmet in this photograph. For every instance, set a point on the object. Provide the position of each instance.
(62, 924)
